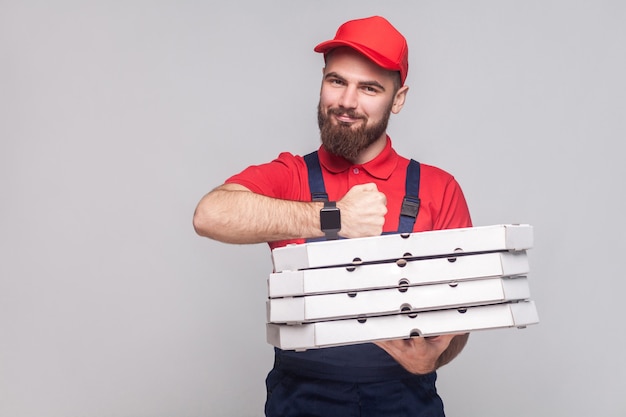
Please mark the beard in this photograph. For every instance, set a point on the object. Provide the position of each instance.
(342, 139)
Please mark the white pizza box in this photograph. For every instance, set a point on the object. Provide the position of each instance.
(505, 237)
(430, 323)
(394, 274)
(360, 304)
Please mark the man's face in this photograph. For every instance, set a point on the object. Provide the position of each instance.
(356, 99)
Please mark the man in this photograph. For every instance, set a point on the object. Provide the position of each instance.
(365, 69)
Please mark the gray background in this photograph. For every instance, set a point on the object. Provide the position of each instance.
(116, 117)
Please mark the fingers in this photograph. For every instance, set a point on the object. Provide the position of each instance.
(418, 355)
(440, 342)
(366, 187)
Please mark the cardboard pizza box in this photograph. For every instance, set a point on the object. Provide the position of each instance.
(430, 323)
(345, 252)
(371, 303)
(397, 274)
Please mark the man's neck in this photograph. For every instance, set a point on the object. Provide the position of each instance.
(371, 151)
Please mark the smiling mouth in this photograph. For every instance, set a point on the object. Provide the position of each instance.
(345, 117)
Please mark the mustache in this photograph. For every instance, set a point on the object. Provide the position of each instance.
(341, 111)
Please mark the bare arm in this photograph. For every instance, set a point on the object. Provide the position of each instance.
(232, 213)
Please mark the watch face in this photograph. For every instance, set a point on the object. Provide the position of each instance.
(330, 219)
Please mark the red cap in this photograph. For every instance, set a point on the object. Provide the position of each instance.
(375, 38)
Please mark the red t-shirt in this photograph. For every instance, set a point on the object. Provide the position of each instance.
(442, 204)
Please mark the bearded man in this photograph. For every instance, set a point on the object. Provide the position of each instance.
(364, 185)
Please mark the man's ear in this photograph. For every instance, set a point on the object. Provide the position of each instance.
(399, 99)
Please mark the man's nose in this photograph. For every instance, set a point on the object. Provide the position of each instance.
(348, 99)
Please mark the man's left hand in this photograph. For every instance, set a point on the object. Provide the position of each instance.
(418, 355)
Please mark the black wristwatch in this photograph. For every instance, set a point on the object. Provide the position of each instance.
(330, 220)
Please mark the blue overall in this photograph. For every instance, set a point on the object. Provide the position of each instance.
(357, 380)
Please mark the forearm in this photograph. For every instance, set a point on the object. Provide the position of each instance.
(233, 214)
(454, 348)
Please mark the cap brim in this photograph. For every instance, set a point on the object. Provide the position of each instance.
(380, 60)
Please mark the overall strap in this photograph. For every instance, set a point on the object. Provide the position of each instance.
(411, 202)
(316, 182)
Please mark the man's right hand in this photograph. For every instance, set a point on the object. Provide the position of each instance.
(363, 210)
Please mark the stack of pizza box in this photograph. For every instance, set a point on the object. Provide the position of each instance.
(348, 291)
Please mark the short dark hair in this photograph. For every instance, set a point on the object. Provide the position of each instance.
(397, 82)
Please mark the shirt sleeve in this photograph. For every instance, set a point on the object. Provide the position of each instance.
(281, 178)
(443, 204)
(454, 212)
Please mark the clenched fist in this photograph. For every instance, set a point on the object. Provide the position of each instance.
(363, 210)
